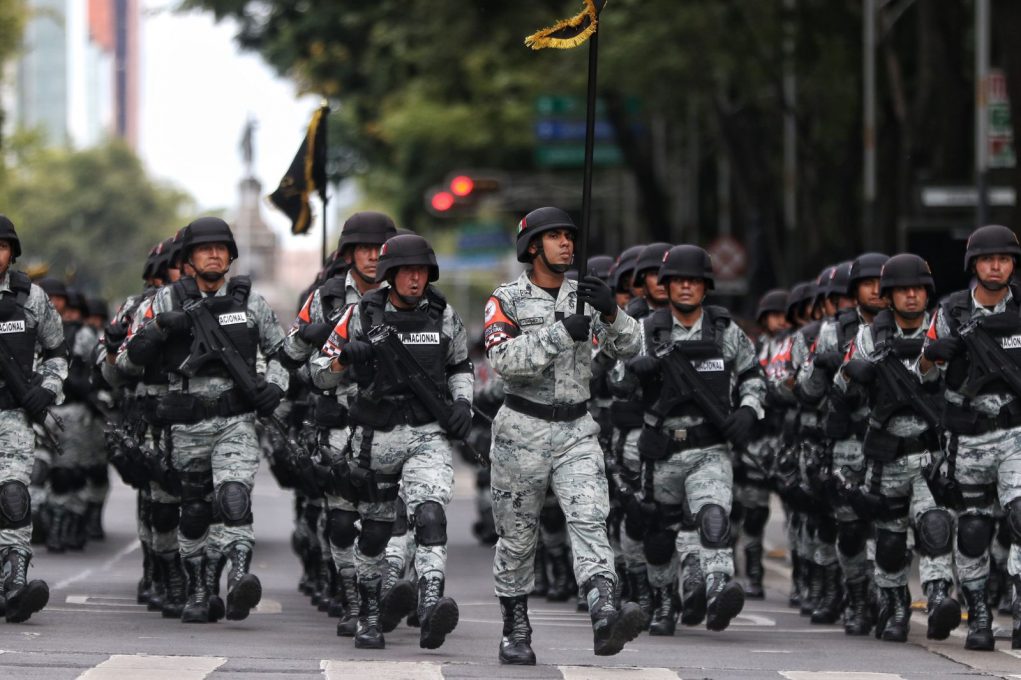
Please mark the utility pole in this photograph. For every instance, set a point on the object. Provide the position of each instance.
(869, 128)
(790, 139)
(981, 109)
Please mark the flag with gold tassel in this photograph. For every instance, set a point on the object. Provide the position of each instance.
(570, 32)
(306, 175)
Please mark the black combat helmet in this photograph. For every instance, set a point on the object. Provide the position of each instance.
(599, 266)
(97, 307)
(906, 269)
(865, 266)
(151, 260)
(164, 251)
(538, 221)
(822, 283)
(8, 234)
(367, 227)
(773, 301)
(839, 280)
(53, 287)
(209, 230)
(625, 264)
(799, 294)
(687, 261)
(176, 251)
(992, 239)
(650, 258)
(404, 251)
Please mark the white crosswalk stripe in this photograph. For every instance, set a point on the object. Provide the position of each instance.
(838, 675)
(592, 673)
(381, 670)
(129, 666)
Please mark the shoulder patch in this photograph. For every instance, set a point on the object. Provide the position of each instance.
(498, 327)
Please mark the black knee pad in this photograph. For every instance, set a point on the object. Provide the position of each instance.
(40, 472)
(974, 532)
(553, 519)
(755, 520)
(60, 480)
(737, 512)
(431, 524)
(196, 516)
(483, 478)
(1003, 532)
(98, 474)
(713, 526)
(891, 550)
(374, 537)
(934, 533)
(343, 531)
(234, 504)
(77, 478)
(15, 505)
(659, 547)
(851, 536)
(401, 519)
(165, 516)
(1013, 520)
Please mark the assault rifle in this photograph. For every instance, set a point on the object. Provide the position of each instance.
(903, 386)
(986, 353)
(685, 380)
(14, 375)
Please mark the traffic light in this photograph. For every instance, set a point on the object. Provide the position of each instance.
(459, 195)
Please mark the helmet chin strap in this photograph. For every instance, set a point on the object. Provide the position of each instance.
(359, 274)
(870, 309)
(555, 268)
(684, 308)
(992, 287)
(910, 316)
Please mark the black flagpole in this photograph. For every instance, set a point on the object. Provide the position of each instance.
(581, 247)
(325, 202)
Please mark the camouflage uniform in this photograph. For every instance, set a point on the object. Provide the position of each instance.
(540, 363)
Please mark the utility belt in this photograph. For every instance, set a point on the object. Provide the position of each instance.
(175, 408)
(329, 413)
(880, 445)
(655, 443)
(627, 415)
(387, 414)
(354, 479)
(960, 420)
(562, 413)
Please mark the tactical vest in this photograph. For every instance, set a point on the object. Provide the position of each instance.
(333, 298)
(705, 356)
(638, 308)
(847, 321)
(230, 311)
(957, 311)
(884, 334)
(14, 329)
(420, 330)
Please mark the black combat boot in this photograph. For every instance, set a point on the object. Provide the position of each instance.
(23, 597)
(215, 562)
(437, 614)
(560, 589)
(175, 593)
(348, 624)
(827, 607)
(55, 536)
(797, 567)
(1006, 603)
(813, 585)
(613, 626)
(1015, 635)
(158, 592)
(516, 643)
(724, 600)
(94, 522)
(399, 596)
(310, 559)
(753, 590)
(325, 586)
(894, 620)
(144, 589)
(980, 618)
(196, 609)
(314, 581)
(369, 635)
(944, 611)
(541, 585)
(856, 616)
(693, 599)
(641, 594)
(74, 531)
(243, 588)
(664, 618)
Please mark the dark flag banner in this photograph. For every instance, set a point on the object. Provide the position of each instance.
(570, 32)
(307, 174)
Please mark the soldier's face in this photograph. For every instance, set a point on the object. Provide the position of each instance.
(910, 299)
(410, 281)
(995, 269)
(654, 289)
(365, 258)
(5, 256)
(210, 257)
(173, 274)
(687, 291)
(868, 293)
(776, 322)
(60, 304)
(558, 245)
(844, 302)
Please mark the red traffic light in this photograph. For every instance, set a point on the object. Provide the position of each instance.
(462, 185)
(442, 201)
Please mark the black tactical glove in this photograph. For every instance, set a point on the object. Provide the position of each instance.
(356, 352)
(267, 399)
(459, 424)
(36, 401)
(644, 366)
(738, 428)
(861, 371)
(315, 334)
(577, 326)
(174, 321)
(943, 349)
(113, 336)
(593, 291)
(829, 361)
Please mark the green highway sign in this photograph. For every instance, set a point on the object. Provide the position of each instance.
(573, 155)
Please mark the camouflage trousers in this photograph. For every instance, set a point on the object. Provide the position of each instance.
(991, 459)
(847, 454)
(77, 439)
(343, 556)
(424, 458)
(631, 547)
(17, 442)
(903, 478)
(216, 450)
(529, 455)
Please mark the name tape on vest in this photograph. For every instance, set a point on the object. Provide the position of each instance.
(1011, 342)
(12, 326)
(232, 318)
(708, 365)
(420, 338)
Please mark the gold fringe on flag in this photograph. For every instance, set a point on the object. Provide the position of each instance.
(570, 32)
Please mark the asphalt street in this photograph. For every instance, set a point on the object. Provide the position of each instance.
(93, 629)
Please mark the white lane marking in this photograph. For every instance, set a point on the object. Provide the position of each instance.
(125, 666)
(749, 619)
(380, 670)
(769, 651)
(1016, 653)
(102, 601)
(267, 606)
(84, 574)
(838, 675)
(593, 673)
